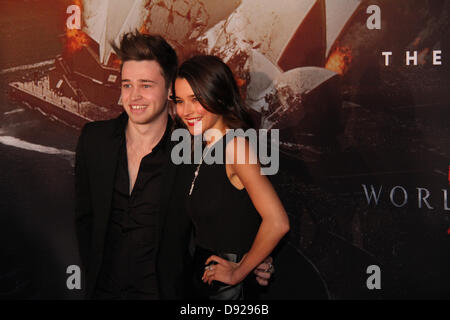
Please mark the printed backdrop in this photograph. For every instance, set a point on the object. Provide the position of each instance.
(358, 90)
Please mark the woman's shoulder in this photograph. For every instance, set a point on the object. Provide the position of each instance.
(240, 150)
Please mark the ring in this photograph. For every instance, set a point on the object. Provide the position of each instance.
(270, 268)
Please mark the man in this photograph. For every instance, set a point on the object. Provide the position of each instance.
(132, 230)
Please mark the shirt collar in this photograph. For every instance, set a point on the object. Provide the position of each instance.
(122, 124)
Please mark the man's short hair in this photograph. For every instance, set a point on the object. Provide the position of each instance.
(139, 47)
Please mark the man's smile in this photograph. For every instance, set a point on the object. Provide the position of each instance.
(138, 107)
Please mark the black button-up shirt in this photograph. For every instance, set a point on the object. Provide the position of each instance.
(129, 269)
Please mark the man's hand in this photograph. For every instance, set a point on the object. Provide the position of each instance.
(264, 271)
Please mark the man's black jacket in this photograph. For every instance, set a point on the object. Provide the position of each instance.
(96, 160)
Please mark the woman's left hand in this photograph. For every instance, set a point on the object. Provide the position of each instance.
(224, 271)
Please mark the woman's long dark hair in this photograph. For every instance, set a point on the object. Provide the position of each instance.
(214, 86)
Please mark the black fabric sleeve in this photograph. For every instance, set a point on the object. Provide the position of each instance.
(175, 262)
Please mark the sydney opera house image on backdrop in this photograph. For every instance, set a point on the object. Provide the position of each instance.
(278, 52)
(312, 69)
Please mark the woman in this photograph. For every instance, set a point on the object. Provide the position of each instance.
(237, 215)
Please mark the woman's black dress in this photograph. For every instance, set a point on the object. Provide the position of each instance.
(225, 222)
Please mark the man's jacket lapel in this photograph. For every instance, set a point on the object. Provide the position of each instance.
(103, 183)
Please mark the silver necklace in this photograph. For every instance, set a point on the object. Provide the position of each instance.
(197, 170)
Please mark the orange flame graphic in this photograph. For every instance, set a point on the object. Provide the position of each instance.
(339, 60)
(115, 62)
(76, 39)
(143, 29)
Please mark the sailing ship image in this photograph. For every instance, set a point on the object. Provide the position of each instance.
(83, 83)
(278, 52)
